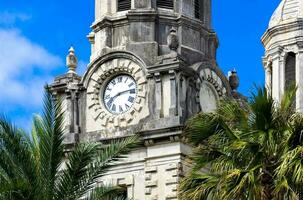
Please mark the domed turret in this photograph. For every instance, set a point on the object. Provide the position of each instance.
(288, 10)
(283, 42)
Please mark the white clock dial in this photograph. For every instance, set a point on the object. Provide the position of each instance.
(120, 94)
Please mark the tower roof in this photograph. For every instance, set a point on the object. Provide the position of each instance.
(287, 10)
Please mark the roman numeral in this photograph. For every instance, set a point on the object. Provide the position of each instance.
(107, 97)
(127, 106)
(113, 82)
(109, 103)
(131, 99)
(131, 84)
(120, 109)
(114, 108)
(120, 79)
(133, 91)
(126, 80)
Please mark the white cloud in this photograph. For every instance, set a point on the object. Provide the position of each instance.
(20, 59)
(7, 18)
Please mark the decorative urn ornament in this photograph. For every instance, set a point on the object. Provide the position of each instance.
(71, 61)
(172, 39)
(233, 80)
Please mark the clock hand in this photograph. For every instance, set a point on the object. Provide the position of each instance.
(111, 100)
(125, 91)
(119, 93)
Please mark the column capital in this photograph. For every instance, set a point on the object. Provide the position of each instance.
(267, 62)
(276, 52)
(300, 45)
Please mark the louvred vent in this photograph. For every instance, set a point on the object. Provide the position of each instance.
(124, 5)
(197, 9)
(168, 4)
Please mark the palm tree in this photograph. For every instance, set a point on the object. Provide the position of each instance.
(37, 167)
(246, 153)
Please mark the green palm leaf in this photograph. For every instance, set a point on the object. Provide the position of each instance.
(38, 168)
(252, 152)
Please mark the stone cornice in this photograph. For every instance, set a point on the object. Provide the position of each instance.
(109, 22)
(63, 82)
(292, 26)
(151, 16)
(162, 134)
(175, 65)
(141, 15)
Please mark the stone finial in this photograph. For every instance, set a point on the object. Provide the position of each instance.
(172, 39)
(233, 80)
(71, 61)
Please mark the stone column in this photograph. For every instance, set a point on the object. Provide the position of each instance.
(158, 94)
(173, 96)
(282, 74)
(69, 111)
(181, 95)
(76, 112)
(268, 77)
(97, 9)
(276, 79)
(72, 99)
(102, 7)
(299, 80)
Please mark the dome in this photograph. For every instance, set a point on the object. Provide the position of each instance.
(287, 10)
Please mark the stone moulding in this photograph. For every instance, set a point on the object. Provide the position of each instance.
(213, 76)
(99, 74)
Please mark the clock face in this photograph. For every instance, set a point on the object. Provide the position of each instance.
(120, 94)
(208, 98)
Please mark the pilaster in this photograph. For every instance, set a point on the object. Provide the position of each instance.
(277, 64)
(299, 80)
(282, 74)
(268, 75)
(173, 96)
(158, 95)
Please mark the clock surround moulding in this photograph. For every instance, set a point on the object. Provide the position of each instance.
(96, 83)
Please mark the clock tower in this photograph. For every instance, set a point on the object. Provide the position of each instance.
(152, 66)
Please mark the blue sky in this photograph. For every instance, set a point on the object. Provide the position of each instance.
(35, 36)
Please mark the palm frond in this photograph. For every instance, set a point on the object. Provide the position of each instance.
(251, 153)
(16, 161)
(75, 172)
(107, 193)
(109, 153)
(50, 133)
(86, 165)
(199, 186)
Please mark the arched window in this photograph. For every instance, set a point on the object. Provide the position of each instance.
(168, 4)
(124, 5)
(290, 70)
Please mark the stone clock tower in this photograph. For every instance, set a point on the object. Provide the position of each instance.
(152, 66)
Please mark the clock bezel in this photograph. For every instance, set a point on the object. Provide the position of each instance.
(105, 84)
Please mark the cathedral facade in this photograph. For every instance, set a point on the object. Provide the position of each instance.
(152, 66)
